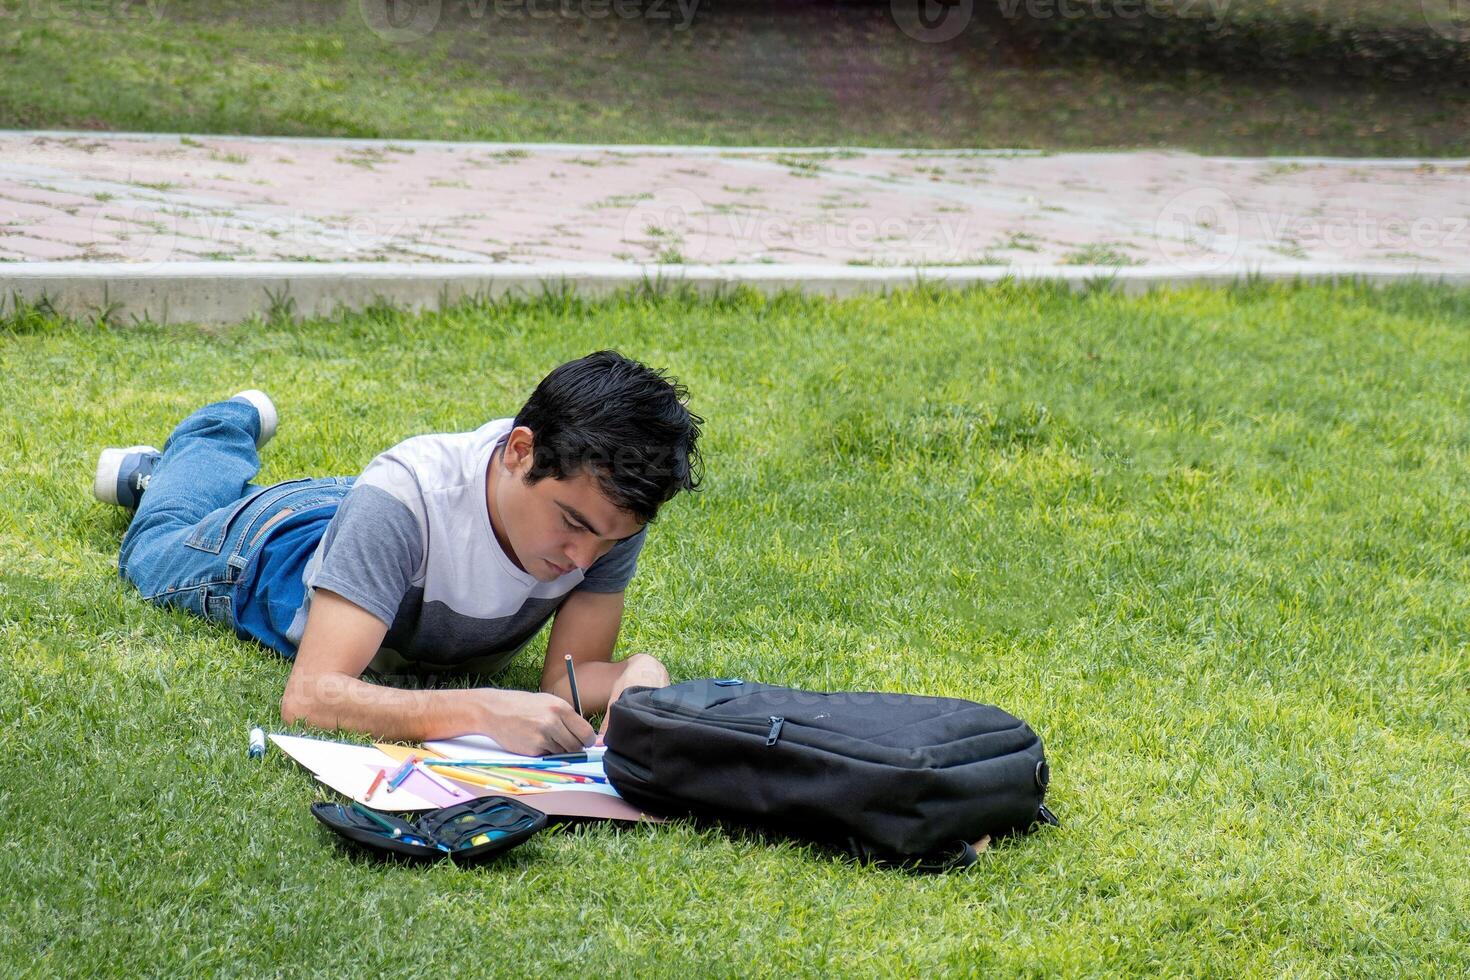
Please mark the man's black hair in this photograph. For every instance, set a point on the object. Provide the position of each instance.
(622, 421)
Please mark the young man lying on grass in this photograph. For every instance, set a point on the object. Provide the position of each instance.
(449, 552)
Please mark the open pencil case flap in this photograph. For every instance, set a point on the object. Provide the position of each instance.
(467, 832)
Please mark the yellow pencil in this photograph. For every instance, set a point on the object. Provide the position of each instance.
(484, 779)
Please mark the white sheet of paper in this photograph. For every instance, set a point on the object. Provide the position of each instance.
(349, 769)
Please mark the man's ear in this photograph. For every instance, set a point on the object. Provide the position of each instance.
(520, 451)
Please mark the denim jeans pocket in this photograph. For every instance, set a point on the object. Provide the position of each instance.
(300, 495)
(210, 600)
(218, 604)
(190, 598)
(211, 533)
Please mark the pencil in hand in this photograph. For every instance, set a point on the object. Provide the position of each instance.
(572, 683)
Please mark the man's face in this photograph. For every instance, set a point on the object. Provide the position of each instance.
(553, 526)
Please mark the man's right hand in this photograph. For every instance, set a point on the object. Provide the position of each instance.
(534, 724)
(326, 690)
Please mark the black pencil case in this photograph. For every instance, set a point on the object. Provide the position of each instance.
(467, 832)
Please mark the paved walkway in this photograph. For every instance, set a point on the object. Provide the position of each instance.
(150, 200)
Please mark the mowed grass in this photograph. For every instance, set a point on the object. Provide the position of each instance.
(749, 73)
(1212, 545)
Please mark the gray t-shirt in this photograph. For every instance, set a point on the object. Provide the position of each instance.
(412, 544)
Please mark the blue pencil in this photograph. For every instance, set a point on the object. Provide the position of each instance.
(402, 773)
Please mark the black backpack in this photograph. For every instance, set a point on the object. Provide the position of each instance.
(896, 778)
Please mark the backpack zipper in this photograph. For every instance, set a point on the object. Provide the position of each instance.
(771, 723)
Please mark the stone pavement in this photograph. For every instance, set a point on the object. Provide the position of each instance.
(167, 198)
(157, 202)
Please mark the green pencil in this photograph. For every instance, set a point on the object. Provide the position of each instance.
(377, 819)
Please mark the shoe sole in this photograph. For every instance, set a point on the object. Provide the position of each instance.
(265, 408)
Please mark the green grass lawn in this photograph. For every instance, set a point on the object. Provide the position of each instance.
(799, 74)
(1212, 545)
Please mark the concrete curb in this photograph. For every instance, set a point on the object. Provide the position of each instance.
(675, 149)
(228, 292)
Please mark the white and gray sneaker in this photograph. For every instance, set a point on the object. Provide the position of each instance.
(265, 408)
(123, 475)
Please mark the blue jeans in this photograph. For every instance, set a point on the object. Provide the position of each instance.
(201, 520)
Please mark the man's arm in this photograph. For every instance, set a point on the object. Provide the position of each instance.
(326, 689)
(586, 626)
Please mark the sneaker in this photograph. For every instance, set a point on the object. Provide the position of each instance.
(123, 475)
(265, 408)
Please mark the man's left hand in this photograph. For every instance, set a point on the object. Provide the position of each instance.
(639, 670)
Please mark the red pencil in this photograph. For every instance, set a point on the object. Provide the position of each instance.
(377, 780)
(534, 773)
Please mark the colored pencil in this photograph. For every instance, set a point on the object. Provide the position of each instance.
(477, 778)
(439, 780)
(526, 779)
(398, 777)
(377, 781)
(499, 782)
(375, 818)
(523, 770)
(525, 776)
(576, 777)
(535, 763)
(494, 769)
(509, 785)
(543, 775)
